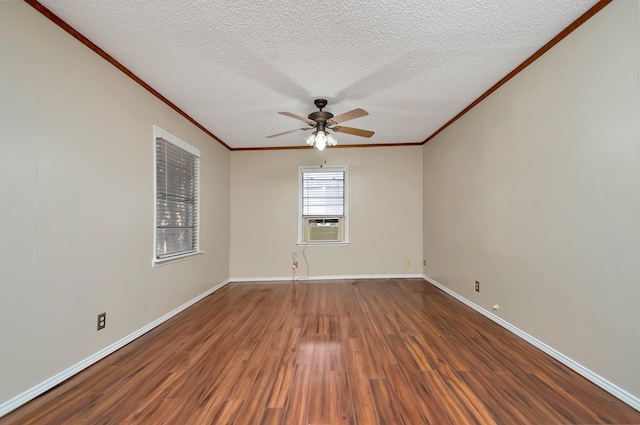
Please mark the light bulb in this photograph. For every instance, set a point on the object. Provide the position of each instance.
(321, 137)
(321, 140)
(309, 139)
(331, 141)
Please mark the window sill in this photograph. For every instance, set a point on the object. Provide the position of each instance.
(323, 243)
(169, 260)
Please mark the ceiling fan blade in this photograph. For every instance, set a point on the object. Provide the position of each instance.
(283, 133)
(298, 117)
(356, 113)
(354, 131)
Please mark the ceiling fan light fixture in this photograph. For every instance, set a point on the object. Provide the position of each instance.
(309, 140)
(331, 141)
(320, 141)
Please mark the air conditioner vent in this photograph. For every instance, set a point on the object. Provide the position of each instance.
(322, 229)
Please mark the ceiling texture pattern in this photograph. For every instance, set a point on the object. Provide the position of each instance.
(233, 64)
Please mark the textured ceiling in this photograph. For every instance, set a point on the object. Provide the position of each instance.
(233, 64)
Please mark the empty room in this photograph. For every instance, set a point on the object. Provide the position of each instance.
(357, 212)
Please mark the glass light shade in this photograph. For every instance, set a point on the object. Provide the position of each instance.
(331, 141)
(320, 141)
(321, 137)
(310, 138)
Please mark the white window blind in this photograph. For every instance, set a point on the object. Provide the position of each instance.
(323, 193)
(177, 199)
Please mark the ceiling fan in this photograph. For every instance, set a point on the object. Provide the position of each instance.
(322, 121)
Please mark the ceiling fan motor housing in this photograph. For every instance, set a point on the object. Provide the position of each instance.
(320, 117)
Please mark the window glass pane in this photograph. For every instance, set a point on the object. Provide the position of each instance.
(323, 193)
(176, 200)
(174, 241)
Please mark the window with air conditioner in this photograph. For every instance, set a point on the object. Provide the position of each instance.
(323, 205)
(177, 198)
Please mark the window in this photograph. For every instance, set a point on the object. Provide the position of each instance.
(177, 177)
(323, 205)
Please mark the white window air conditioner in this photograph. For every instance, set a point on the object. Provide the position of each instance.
(318, 229)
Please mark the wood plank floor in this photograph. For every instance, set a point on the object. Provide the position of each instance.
(387, 351)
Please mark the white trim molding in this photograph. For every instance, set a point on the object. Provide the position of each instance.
(45, 386)
(330, 277)
(345, 213)
(603, 383)
(192, 170)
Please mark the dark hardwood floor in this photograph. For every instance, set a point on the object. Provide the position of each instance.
(387, 351)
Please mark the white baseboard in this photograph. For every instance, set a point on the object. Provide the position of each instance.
(45, 386)
(606, 385)
(330, 277)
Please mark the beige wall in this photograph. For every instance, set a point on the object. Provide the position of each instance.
(385, 213)
(76, 189)
(535, 193)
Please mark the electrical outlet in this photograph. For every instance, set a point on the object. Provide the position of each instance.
(424, 262)
(102, 321)
(477, 286)
(408, 261)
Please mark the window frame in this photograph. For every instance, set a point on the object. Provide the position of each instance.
(159, 133)
(345, 217)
